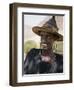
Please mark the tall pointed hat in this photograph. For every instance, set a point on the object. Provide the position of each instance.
(50, 27)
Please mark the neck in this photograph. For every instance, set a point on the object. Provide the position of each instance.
(48, 52)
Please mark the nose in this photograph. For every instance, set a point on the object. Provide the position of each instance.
(44, 39)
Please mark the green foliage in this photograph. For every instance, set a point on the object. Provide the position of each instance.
(29, 45)
(58, 47)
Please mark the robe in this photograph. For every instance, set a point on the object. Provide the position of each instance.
(34, 64)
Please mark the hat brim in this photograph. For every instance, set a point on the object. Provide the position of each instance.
(56, 35)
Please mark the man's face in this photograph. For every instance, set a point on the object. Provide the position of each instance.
(46, 40)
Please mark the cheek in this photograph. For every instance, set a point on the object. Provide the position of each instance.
(49, 40)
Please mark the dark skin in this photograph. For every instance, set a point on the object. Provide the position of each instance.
(46, 40)
(46, 44)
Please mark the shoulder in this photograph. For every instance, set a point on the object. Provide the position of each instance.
(33, 51)
(59, 58)
(58, 55)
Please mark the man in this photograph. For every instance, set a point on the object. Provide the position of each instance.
(43, 60)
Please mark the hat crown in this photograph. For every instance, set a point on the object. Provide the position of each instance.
(51, 23)
(49, 27)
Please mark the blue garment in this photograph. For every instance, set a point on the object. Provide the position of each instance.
(33, 63)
